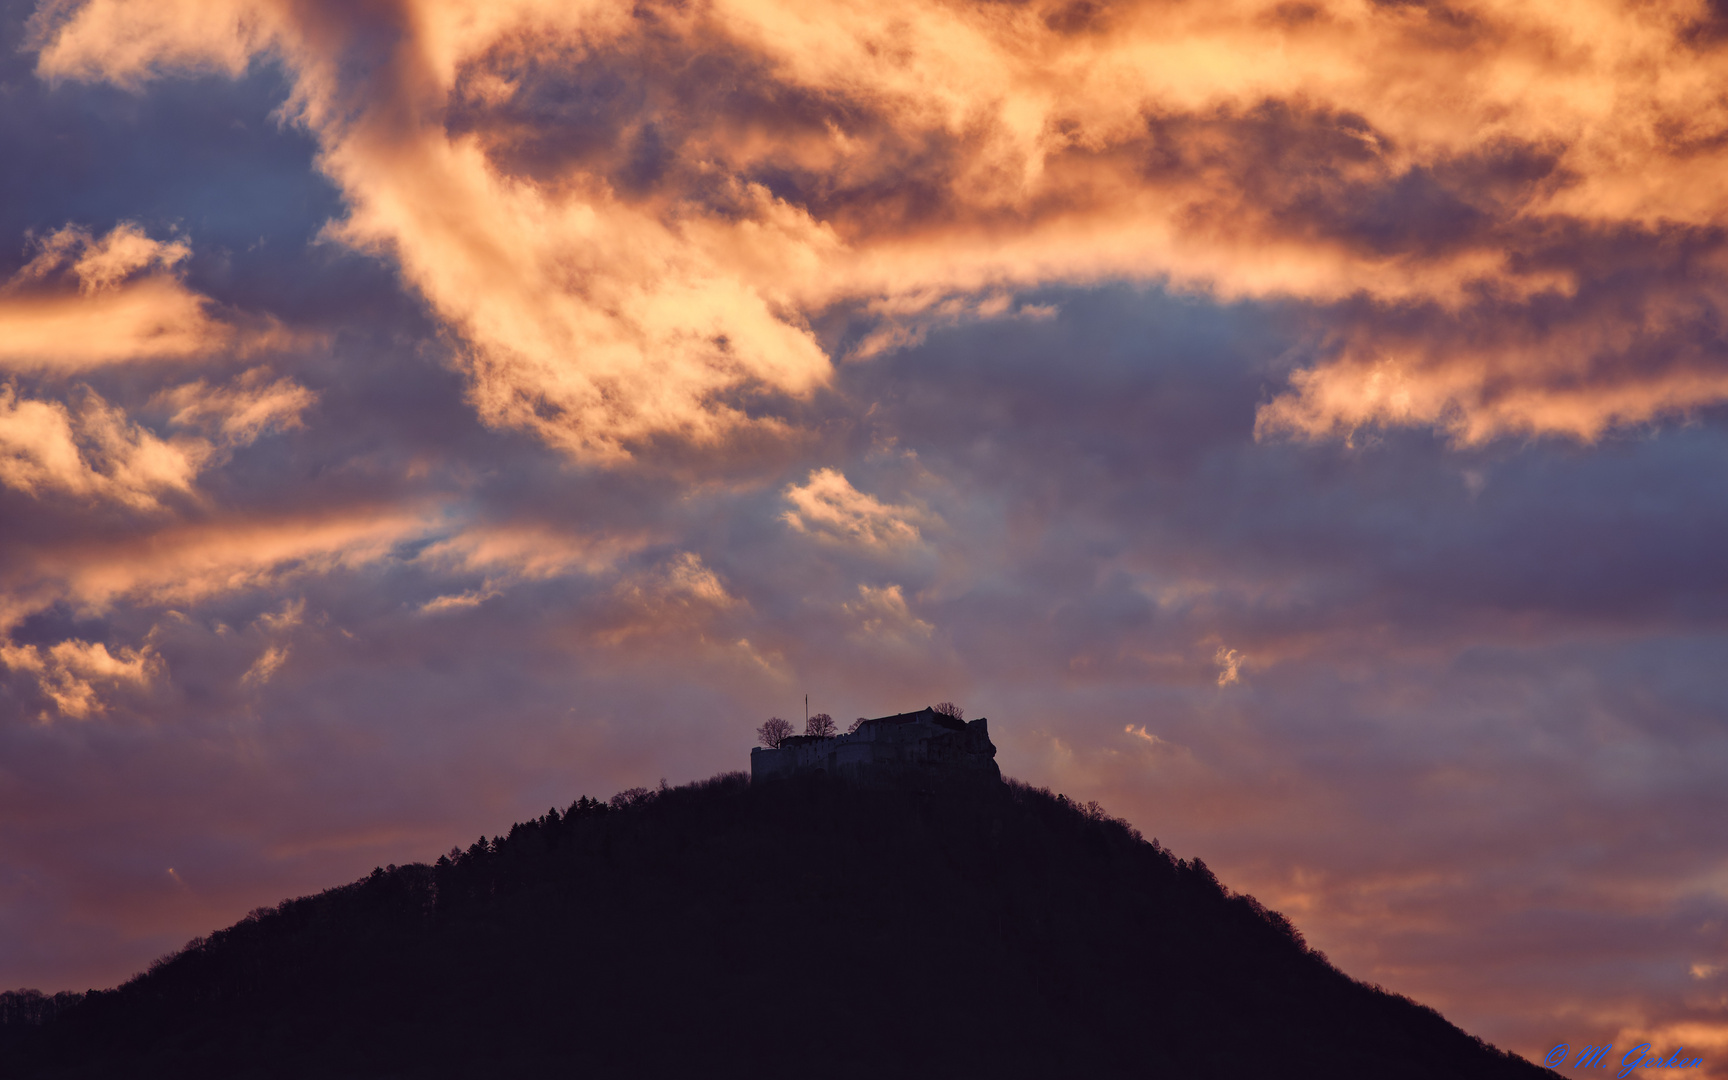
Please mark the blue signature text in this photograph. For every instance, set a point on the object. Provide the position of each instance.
(1601, 1057)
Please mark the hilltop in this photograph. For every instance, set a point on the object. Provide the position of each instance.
(802, 927)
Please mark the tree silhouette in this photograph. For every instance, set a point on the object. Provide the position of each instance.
(948, 708)
(821, 725)
(856, 724)
(774, 732)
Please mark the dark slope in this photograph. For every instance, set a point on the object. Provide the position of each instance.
(801, 928)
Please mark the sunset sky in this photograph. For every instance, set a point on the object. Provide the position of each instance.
(1300, 427)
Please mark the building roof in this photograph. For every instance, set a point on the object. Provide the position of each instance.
(926, 714)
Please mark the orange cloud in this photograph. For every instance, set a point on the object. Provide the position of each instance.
(1229, 663)
(97, 452)
(269, 662)
(72, 673)
(178, 565)
(885, 620)
(244, 410)
(87, 301)
(828, 506)
(128, 43)
(94, 453)
(186, 563)
(636, 215)
(681, 597)
(527, 551)
(102, 264)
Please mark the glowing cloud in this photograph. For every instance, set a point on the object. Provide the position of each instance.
(269, 662)
(884, 618)
(638, 263)
(528, 551)
(185, 563)
(71, 672)
(176, 564)
(681, 595)
(458, 601)
(129, 42)
(86, 301)
(97, 452)
(244, 410)
(1229, 663)
(100, 265)
(94, 453)
(828, 506)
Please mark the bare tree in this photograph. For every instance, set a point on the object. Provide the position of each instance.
(948, 708)
(821, 725)
(774, 732)
(856, 724)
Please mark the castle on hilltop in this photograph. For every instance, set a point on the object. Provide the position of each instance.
(922, 741)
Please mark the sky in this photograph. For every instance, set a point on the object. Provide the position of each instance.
(1300, 427)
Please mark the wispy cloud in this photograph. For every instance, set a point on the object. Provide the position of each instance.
(95, 452)
(826, 505)
(73, 673)
(244, 409)
(86, 301)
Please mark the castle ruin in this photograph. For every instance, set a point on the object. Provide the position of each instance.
(925, 741)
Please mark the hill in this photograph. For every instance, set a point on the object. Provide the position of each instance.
(805, 927)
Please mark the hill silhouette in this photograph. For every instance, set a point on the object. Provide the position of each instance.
(805, 927)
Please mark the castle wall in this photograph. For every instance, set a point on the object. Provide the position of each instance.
(917, 741)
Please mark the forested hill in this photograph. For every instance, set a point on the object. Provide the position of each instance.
(802, 928)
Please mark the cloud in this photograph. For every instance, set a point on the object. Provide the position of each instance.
(883, 618)
(292, 614)
(1580, 380)
(95, 453)
(528, 550)
(102, 264)
(277, 624)
(185, 563)
(136, 583)
(904, 321)
(71, 672)
(269, 662)
(827, 506)
(129, 43)
(1229, 663)
(630, 255)
(1144, 736)
(681, 596)
(242, 411)
(457, 601)
(84, 302)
